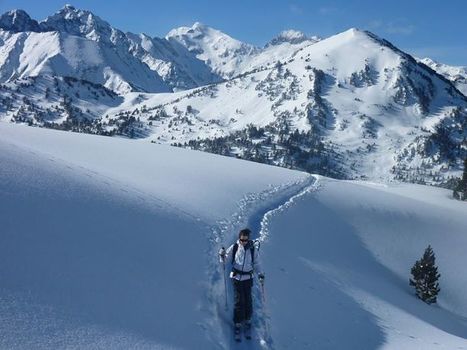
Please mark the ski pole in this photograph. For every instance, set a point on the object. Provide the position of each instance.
(222, 256)
(261, 281)
(225, 288)
(264, 295)
(267, 332)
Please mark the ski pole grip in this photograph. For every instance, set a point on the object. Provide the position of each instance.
(222, 255)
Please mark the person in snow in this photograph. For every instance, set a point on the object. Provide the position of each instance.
(245, 262)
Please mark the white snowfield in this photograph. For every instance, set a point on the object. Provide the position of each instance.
(108, 243)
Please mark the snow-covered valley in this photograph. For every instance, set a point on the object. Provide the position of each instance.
(112, 243)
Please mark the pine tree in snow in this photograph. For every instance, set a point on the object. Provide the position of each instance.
(460, 192)
(460, 187)
(425, 277)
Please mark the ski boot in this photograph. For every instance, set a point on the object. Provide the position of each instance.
(247, 329)
(238, 332)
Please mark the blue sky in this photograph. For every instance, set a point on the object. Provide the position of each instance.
(437, 29)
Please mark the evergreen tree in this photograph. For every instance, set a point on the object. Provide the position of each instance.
(464, 181)
(425, 277)
(460, 192)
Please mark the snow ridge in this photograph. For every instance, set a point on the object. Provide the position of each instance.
(313, 186)
(456, 74)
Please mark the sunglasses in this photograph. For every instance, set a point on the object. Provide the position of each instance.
(243, 240)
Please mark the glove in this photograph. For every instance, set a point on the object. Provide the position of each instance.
(222, 254)
(261, 277)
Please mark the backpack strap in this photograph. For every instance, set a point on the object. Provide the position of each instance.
(252, 250)
(234, 251)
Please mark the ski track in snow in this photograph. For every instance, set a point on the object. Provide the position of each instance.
(255, 212)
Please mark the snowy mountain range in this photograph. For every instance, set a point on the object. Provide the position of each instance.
(349, 106)
(229, 57)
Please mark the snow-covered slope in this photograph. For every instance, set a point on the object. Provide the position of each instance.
(177, 67)
(27, 54)
(351, 105)
(457, 74)
(112, 243)
(59, 102)
(173, 62)
(339, 259)
(77, 43)
(106, 242)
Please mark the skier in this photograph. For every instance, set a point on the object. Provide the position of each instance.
(245, 261)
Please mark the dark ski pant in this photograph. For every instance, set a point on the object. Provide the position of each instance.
(243, 304)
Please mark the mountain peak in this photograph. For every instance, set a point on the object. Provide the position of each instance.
(358, 35)
(75, 21)
(69, 11)
(195, 30)
(201, 32)
(69, 7)
(219, 50)
(352, 32)
(18, 21)
(291, 36)
(430, 62)
(199, 25)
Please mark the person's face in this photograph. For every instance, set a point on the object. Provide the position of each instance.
(244, 239)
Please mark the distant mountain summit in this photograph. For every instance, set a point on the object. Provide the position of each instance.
(18, 21)
(456, 74)
(218, 50)
(81, 23)
(291, 36)
(229, 57)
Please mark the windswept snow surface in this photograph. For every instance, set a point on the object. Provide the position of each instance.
(108, 243)
(339, 257)
(105, 241)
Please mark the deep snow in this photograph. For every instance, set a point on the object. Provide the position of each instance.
(111, 243)
(104, 241)
(339, 261)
